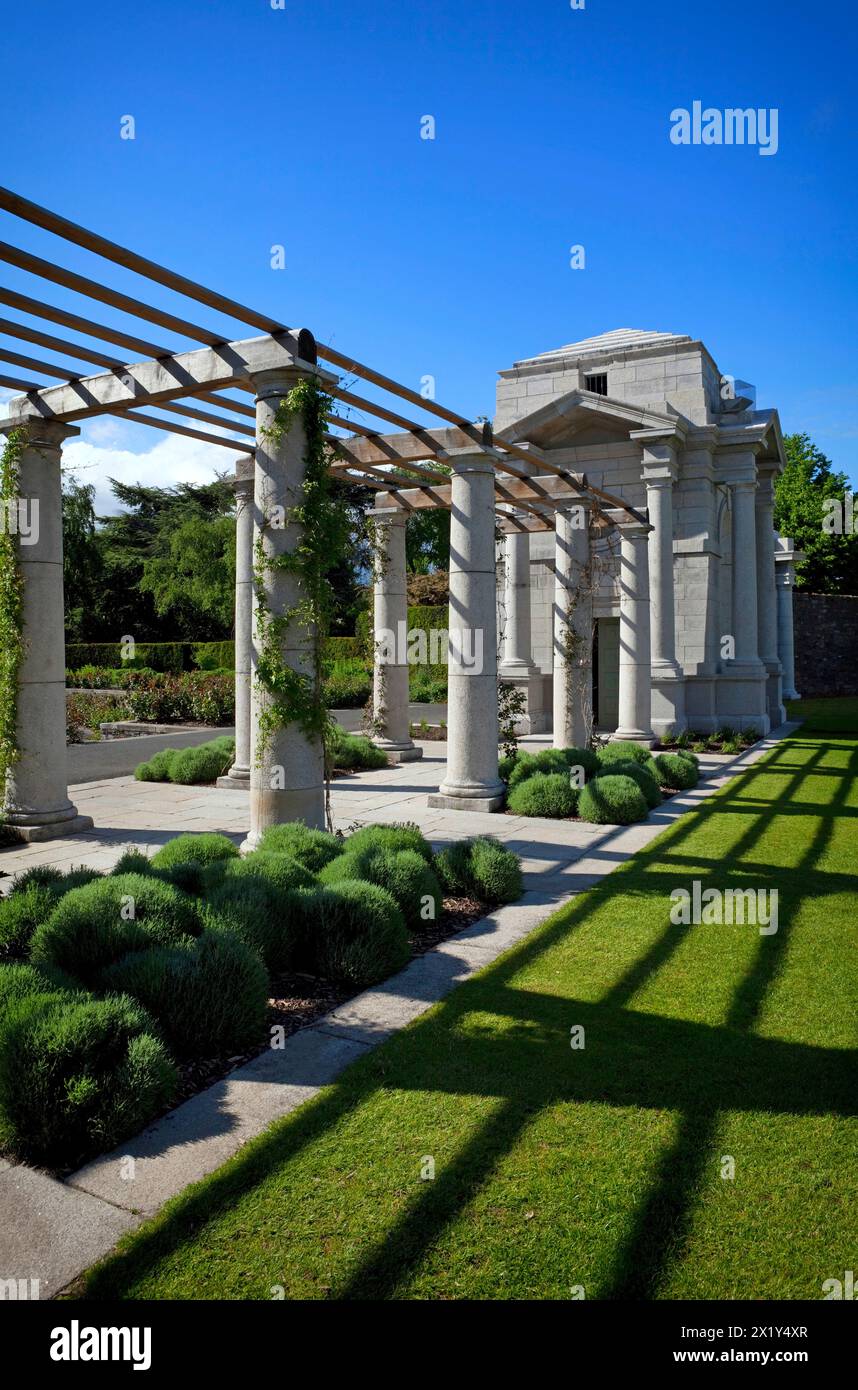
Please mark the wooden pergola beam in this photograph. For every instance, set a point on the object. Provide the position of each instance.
(28, 211)
(39, 309)
(155, 381)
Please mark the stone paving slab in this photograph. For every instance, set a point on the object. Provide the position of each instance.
(199, 1136)
(67, 1226)
(50, 1232)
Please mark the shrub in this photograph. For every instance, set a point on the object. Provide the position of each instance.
(200, 696)
(209, 996)
(627, 753)
(403, 873)
(688, 755)
(133, 861)
(347, 685)
(613, 800)
(189, 766)
(427, 686)
(529, 764)
(34, 896)
(89, 927)
(182, 859)
(278, 871)
(676, 771)
(205, 763)
(400, 835)
(17, 980)
(20, 914)
(157, 769)
(40, 876)
(312, 848)
(77, 1075)
(350, 752)
(582, 757)
(544, 794)
(481, 868)
(361, 937)
(644, 778)
(506, 765)
(258, 913)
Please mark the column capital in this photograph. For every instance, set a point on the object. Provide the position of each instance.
(469, 460)
(46, 434)
(245, 476)
(659, 451)
(277, 381)
(393, 516)
(766, 490)
(634, 530)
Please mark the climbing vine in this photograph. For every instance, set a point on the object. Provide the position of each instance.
(11, 605)
(322, 523)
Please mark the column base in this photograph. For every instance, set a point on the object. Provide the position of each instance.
(50, 830)
(237, 779)
(700, 702)
(441, 801)
(400, 752)
(304, 804)
(774, 694)
(741, 700)
(530, 680)
(668, 701)
(791, 695)
(645, 737)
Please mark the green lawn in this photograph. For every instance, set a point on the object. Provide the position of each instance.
(601, 1167)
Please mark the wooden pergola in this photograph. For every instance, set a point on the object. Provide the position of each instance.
(209, 385)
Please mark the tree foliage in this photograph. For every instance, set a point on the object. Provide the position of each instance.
(831, 563)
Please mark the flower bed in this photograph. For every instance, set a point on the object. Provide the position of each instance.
(724, 740)
(120, 994)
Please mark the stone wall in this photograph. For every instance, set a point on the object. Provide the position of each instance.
(826, 644)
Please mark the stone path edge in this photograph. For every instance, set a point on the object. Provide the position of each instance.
(51, 1231)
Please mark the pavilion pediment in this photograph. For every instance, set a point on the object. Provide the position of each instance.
(583, 417)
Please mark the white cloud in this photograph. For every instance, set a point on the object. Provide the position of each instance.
(113, 448)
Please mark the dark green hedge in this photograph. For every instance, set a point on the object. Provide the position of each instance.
(154, 656)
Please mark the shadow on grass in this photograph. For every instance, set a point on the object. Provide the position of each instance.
(642, 1060)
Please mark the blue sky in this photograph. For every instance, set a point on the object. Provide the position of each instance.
(300, 126)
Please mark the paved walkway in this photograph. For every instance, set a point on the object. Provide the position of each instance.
(144, 815)
(52, 1231)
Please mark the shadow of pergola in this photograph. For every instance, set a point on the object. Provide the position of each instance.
(632, 1059)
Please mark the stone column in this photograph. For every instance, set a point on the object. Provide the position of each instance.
(517, 654)
(390, 670)
(767, 608)
(573, 628)
(741, 685)
(744, 577)
(287, 781)
(517, 665)
(786, 557)
(659, 472)
(36, 801)
(239, 774)
(635, 658)
(471, 782)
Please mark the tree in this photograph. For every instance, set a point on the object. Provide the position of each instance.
(427, 540)
(808, 479)
(169, 562)
(82, 565)
(192, 576)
